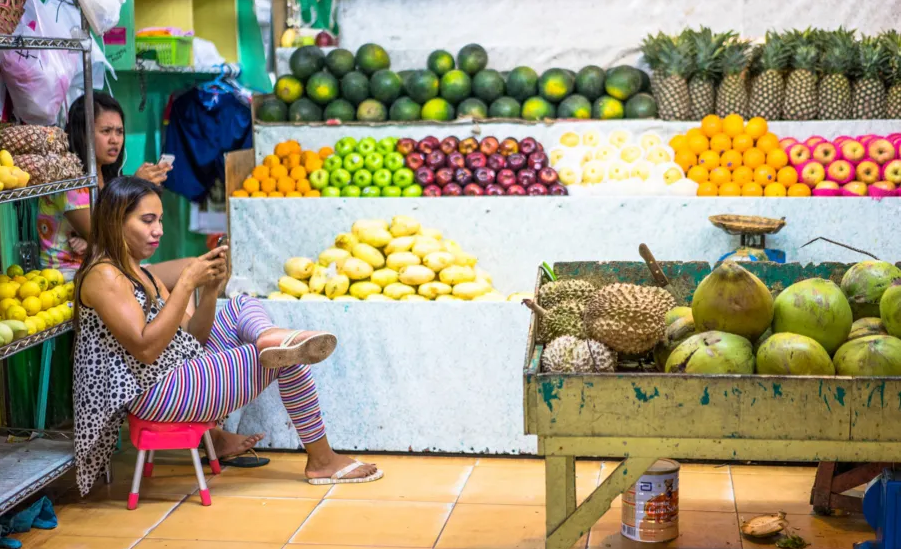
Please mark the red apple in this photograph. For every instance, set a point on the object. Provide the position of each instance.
(855, 188)
(892, 171)
(852, 151)
(537, 160)
(516, 190)
(529, 145)
(468, 145)
(824, 152)
(557, 190)
(324, 39)
(489, 146)
(827, 188)
(452, 189)
(887, 188)
(526, 177)
(415, 160)
(428, 144)
(840, 171)
(443, 176)
(431, 191)
(828, 185)
(881, 150)
(497, 162)
(798, 154)
(811, 173)
(537, 190)
(484, 176)
(449, 145)
(405, 146)
(494, 190)
(547, 176)
(424, 176)
(473, 190)
(435, 159)
(508, 146)
(476, 160)
(505, 178)
(516, 161)
(456, 160)
(462, 176)
(868, 172)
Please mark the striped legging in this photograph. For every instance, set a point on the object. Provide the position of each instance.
(229, 376)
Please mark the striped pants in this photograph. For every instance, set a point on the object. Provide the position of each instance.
(229, 376)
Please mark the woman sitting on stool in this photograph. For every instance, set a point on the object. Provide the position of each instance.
(138, 351)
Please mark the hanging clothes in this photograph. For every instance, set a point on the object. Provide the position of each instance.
(203, 124)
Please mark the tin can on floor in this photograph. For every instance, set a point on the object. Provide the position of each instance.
(651, 506)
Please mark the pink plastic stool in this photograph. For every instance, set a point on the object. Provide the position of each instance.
(151, 436)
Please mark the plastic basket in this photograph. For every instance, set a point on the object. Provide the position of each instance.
(170, 50)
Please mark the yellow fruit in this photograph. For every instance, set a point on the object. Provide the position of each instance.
(729, 189)
(31, 274)
(8, 302)
(39, 323)
(776, 159)
(431, 233)
(362, 290)
(30, 288)
(490, 296)
(32, 327)
(456, 274)
(56, 316)
(751, 189)
(16, 312)
(8, 179)
(402, 225)
(413, 298)
(709, 159)
(32, 305)
(764, 175)
(279, 296)
(756, 127)
(464, 259)
(14, 271)
(698, 144)
(333, 255)
(438, 260)
(300, 268)
(384, 277)
(68, 310)
(753, 158)
(768, 142)
(400, 244)
(4, 278)
(369, 254)
(70, 290)
(377, 297)
(711, 125)
(432, 290)
(426, 245)
(20, 280)
(356, 269)
(21, 175)
(471, 290)
(707, 189)
(314, 297)
(730, 160)
(8, 290)
(798, 190)
(292, 286)
(337, 286)
(787, 176)
(742, 175)
(678, 142)
(398, 290)
(399, 260)
(742, 142)
(45, 316)
(53, 276)
(698, 174)
(346, 241)
(60, 293)
(6, 159)
(733, 125)
(364, 224)
(375, 237)
(42, 282)
(685, 159)
(720, 176)
(415, 275)
(720, 143)
(774, 190)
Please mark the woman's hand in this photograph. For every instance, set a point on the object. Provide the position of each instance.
(78, 245)
(155, 173)
(207, 270)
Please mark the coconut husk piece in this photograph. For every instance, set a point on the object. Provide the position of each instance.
(764, 526)
(747, 224)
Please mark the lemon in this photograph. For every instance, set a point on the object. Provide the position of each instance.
(8, 302)
(48, 299)
(20, 279)
(54, 277)
(67, 311)
(4, 278)
(56, 316)
(38, 322)
(16, 312)
(14, 271)
(61, 294)
(42, 282)
(70, 290)
(45, 316)
(32, 305)
(8, 290)
(29, 289)
(31, 274)
(32, 327)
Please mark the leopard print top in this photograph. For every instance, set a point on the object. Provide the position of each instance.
(107, 379)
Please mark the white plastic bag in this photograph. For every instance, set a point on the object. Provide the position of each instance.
(69, 17)
(102, 15)
(37, 80)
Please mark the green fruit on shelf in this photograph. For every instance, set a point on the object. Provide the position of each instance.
(319, 179)
(288, 88)
(371, 192)
(622, 82)
(522, 83)
(607, 108)
(362, 178)
(372, 111)
(339, 178)
(472, 58)
(413, 191)
(355, 87)
(391, 191)
(353, 162)
(306, 61)
(590, 82)
(339, 62)
(440, 62)
(422, 86)
(455, 86)
(405, 110)
(304, 110)
(382, 178)
(345, 146)
(437, 109)
(322, 87)
(574, 106)
(488, 85)
(351, 191)
(366, 146)
(641, 105)
(374, 161)
(372, 58)
(538, 108)
(272, 109)
(385, 85)
(555, 85)
(394, 161)
(340, 109)
(402, 178)
(472, 107)
(331, 192)
(505, 107)
(645, 81)
(385, 146)
(333, 162)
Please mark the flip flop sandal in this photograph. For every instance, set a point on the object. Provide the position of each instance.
(242, 462)
(311, 350)
(338, 478)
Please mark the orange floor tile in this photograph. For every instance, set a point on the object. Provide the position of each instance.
(422, 502)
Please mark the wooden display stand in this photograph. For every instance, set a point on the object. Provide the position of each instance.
(834, 479)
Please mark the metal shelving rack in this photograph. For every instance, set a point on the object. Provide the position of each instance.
(28, 464)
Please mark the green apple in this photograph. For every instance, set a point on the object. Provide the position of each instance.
(345, 146)
(319, 179)
(374, 161)
(385, 146)
(332, 163)
(413, 190)
(339, 178)
(391, 191)
(394, 161)
(366, 146)
(403, 177)
(353, 162)
(381, 178)
(371, 192)
(308, 41)
(362, 178)
(331, 192)
(351, 191)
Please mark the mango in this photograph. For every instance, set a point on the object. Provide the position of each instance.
(464, 259)
(369, 254)
(377, 238)
(425, 245)
(292, 286)
(364, 224)
(337, 286)
(356, 269)
(318, 280)
(313, 297)
(382, 277)
(378, 297)
(399, 260)
(415, 275)
(519, 296)
(346, 241)
(490, 296)
(438, 261)
(281, 296)
(470, 290)
(398, 290)
(433, 290)
(456, 274)
(447, 298)
(413, 298)
(402, 225)
(400, 244)
(333, 255)
(362, 290)
(346, 298)
(6, 159)
(300, 268)
(431, 233)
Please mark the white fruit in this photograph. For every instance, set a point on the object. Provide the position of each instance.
(631, 153)
(683, 187)
(300, 268)
(482, 274)
(591, 138)
(619, 138)
(618, 170)
(556, 155)
(415, 275)
(649, 140)
(659, 155)
(569, 175)
(641, 170)
(570, 139)
(593, 172)
(606, 153)
(402, 225)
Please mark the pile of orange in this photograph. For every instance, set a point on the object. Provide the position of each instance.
(728, 157)
(284, 173)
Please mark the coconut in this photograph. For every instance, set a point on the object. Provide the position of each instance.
(793, 354)
(869, 356)
(712, 353)
(815, 308)
(864, 284)
(676, 333)
(890, 309)
(731, 299)
(864, 327)
(676, 313)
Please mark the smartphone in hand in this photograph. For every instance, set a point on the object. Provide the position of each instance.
(167, 159)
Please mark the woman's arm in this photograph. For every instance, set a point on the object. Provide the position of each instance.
(199, 321)
(81, 221)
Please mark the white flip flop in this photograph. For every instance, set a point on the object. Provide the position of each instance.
(338, 478)
(311, 350)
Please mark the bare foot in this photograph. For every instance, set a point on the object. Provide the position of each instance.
(328, 465)
(231, 444)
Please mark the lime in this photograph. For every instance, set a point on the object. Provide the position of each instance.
(607, 108)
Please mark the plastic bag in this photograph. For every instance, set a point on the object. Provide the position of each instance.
(37, 80)
(69, 17)
(102, 15)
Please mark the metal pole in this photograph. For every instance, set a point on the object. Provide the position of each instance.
(89, 107)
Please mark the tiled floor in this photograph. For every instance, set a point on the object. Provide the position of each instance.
(447, 503)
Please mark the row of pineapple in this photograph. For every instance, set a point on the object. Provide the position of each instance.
(35, 155)
(807, 74)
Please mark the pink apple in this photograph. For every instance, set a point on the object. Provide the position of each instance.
(827, 188)
(798, 154)
(811, 173)
(841, 139)
(887, 188)
(864, 139)
(841, 171)
(855, 188)
(825, 152)
(893, 136)
(786, 142)
(814, 141)
(827, 185)
(852, 151)
(868, 172)
(891, 171)
(881, 150)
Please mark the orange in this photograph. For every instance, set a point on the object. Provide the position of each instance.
(720, 143)
(751, 189)
(285, 184)
(733, 125)
(799, 190)
(720, 176)
(730, 189)
(312, 164)
(271, 160)
(787, 176)
(698, 174)
(742, 175)
(282, 150)
(742, 142)
(753, 157)
(276, 194)
(698, 143)
(303, 186)
(325, 152)
(278, 172)
(258, 194)
(768, 142)
(709, 159)
(776, 159)
(312, 194)
(711, 125)
(251, 185)
(774, 190)
(260, 173)
(293, 194)
(730, 159)
(293, 146)
(694, 132)
(240, 193)
(307, 155)
(678, 142)
(268, 185)
(764, 175)
(707, 189)
(298, 173)
(685, 159)
(293, 161)
(756, 127)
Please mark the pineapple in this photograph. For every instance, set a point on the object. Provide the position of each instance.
(837, 59)
(650, 49)
(707, 50)
(732, 94)
(801, 83)
(768, 84)
(892, 41)
(674, 57)
(34, 140)
(49, 168)
(868, 96)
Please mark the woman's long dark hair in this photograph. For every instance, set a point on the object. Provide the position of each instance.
(116, 200)
(75, 128)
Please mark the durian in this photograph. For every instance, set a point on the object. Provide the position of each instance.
(564, 319)
(571, 355)
(628, 318)
(554, 293)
